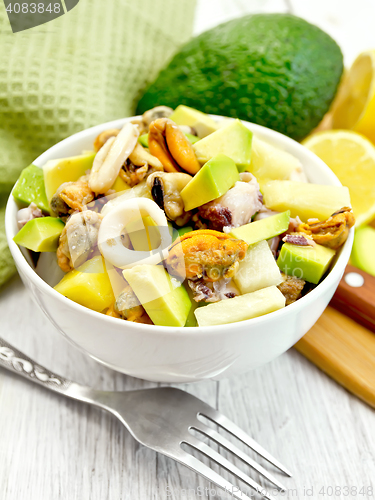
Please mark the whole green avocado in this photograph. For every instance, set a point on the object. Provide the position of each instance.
(276, 70)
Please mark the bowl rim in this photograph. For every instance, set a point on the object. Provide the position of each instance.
(333, 276)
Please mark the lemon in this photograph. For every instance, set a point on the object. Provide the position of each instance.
(352, 158)
(354, 106)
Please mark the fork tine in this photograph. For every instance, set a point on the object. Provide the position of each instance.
(220, 419)
(209, 474)
(223, 462)
(222, 441)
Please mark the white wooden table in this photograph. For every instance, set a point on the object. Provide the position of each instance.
(52, 448)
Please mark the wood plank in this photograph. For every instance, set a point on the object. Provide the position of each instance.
(56, 449)
(344, 350)
(306, 420)
(64, 449)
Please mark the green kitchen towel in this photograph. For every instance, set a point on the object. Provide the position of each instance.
(83, 68)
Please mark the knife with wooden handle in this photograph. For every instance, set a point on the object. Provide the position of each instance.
(342, 342)
(355, 296)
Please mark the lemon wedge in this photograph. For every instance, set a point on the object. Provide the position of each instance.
(352, 158)
(354, 106)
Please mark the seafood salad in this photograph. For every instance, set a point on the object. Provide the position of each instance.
(177, 219)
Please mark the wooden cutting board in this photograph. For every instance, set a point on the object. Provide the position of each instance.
(341, 346)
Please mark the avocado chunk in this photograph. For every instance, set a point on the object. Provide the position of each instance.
(233, 140)
(143, 140)
(308, 263)
(363, 249)
(263, 229)
(258, 269)
(165, 300)
(30, 188)
(192, 138)
(183, 230)
(276, 70)
(250, 305)
(177, 233)
(41, 234)
(88, 285)
(202, 123)
(191, 319)
(212, 181)
(7, 268)
(271, 163)
(56, 172)
(306, 200)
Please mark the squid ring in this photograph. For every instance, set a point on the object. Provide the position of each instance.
(112, 229)
(110, 158)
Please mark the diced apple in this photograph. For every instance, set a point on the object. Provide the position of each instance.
(363, 249)
(250, 305)
(144, 234)
(56, 172)
(88, 285)
(30, 188)
(120, 185)
(258, 269)
(165, 300)
(202, 123)
(263, 229)
(305, 200)
(41, 234)
(212, 181)
(269, 162)
(233, 140)
(306, 262)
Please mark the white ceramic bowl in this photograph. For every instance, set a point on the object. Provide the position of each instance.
(170, 354)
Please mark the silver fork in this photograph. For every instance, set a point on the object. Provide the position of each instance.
(161, 419)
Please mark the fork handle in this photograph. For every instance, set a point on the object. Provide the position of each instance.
(15, 361)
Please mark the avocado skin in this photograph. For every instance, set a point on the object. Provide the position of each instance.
(276, 70)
